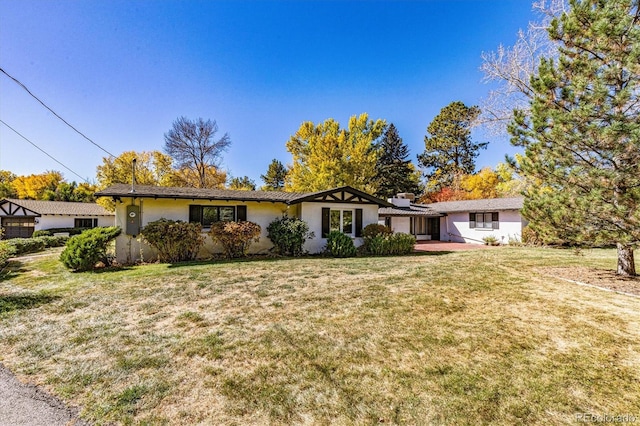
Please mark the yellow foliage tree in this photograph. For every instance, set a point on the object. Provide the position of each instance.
(35, 186)
(326, 156)
(481, 185)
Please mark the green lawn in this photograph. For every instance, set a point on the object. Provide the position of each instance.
(452, 338)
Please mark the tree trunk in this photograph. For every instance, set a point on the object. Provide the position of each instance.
(626, 263)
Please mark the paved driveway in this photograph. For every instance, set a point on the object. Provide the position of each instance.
(27, 405)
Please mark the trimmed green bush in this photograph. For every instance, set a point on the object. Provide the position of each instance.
(26, 245)
(84, 251)
(401, 243)
(175, 240)
(384, 244)
(340, 245)
(49, 232)
(6, 251)
(53, 241)
(288, 235)
(235, 237)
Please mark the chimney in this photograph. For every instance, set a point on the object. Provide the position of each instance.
(133, 176)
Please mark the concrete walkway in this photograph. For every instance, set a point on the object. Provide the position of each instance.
(27, 405)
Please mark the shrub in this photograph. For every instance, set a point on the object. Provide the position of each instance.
(490, 240)
(288, 235)
(235, 237)
(175, 241)
(375, 229)
(340, 245)
(531, 237)
(6, 251)
(85, 250)
(58, 241)
(380, 241)
(26, 245)
(401, 243)
(49, 232)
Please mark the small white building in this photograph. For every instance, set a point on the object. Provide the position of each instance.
(20, 218)
(421, 221)
(345, 209)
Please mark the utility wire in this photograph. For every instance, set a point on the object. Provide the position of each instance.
(42, 150)
(19, 83)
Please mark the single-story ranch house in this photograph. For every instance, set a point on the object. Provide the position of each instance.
(467, 221)
(345, 209)
(20, 218)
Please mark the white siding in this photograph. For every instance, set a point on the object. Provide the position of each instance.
(455, 227)
(128, 249)
(47, 221)
(401, 224)
(312, 214)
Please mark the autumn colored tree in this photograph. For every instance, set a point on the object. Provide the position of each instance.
(34, 186)
(326, 156)
(275, 176)
(449, 150)
(214, 178)
(193, 145)
(394, 171)
(6, 184)
(582, 133)
(152, 168)
(65, 191)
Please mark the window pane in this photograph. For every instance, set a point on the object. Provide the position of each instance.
(479, 222)
(227, 214)
(487, 220)
(335, 220)
(347, 221)
(209, 215)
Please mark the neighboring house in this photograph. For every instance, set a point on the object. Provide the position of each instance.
(20, 218)
(345, 209)
(467, 221)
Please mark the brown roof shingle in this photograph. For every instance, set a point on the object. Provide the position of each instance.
(61, 207)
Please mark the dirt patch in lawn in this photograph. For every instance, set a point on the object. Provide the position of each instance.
(596, 277)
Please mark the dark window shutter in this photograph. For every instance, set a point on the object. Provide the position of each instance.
(95, 223)
(358, 222)
(495, 219)
(241, 213)
(472, 220)
(325, 221)
(195, 214)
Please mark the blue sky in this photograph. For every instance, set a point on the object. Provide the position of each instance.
(122, 71)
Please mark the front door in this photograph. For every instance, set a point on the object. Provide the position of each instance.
(18, 227)
(433, 228)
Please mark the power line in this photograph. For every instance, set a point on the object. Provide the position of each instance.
(19, 83)
(42, 150)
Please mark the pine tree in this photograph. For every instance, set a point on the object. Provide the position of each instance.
(242, 183)
(449, 150)
(394, 171)
(582, 135)
(275, 177)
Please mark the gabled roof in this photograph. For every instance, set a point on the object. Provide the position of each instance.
(14, 207)
(484, 205)
(120, 190)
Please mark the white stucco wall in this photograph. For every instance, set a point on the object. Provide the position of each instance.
(455, 227)
(312, 214)
(401, 224)
(128, 249)
(63, 221)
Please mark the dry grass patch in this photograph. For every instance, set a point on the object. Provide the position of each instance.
(459, 338)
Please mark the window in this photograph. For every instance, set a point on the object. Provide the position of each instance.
(348, 221)
(342, 220)
(418, 225)
(484, 220)
(206, 215)
(80, 222)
